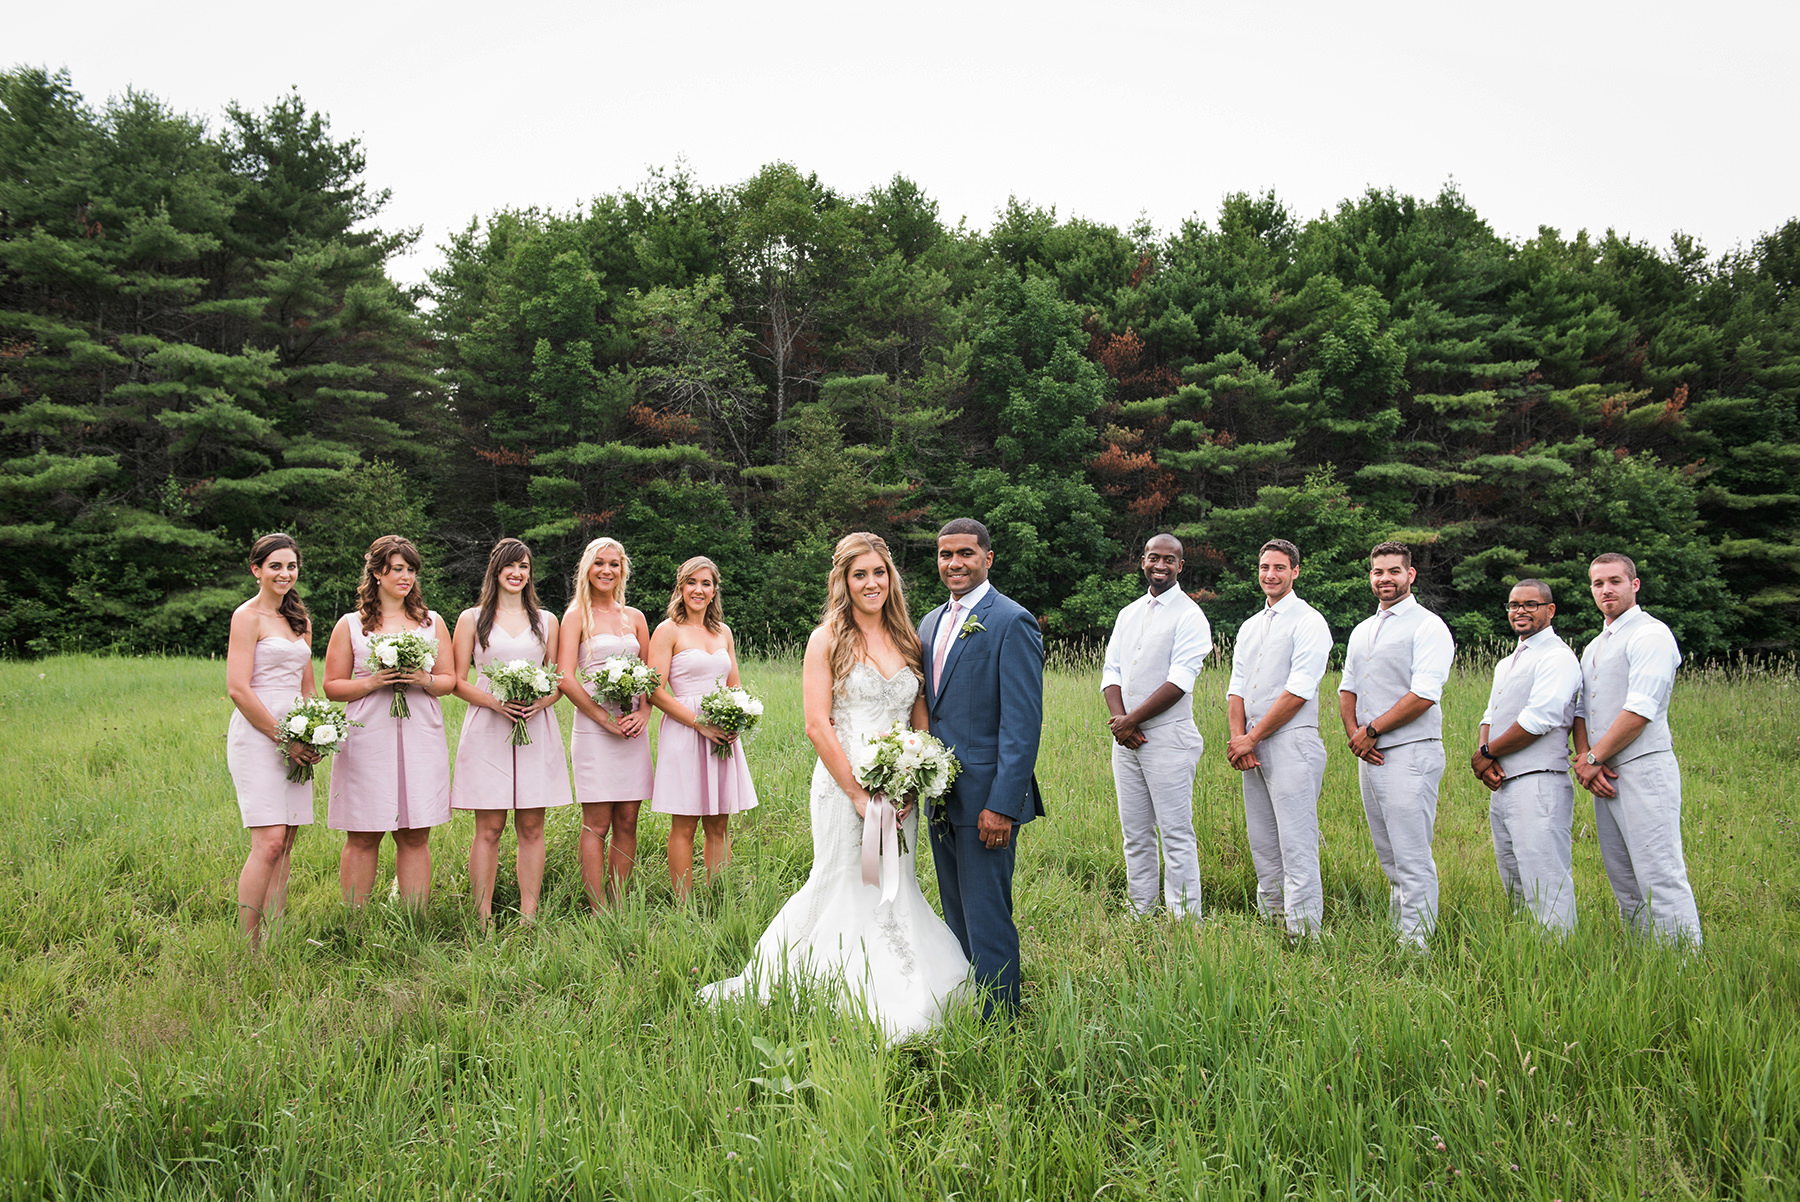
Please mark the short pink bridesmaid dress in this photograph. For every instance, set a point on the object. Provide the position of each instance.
(690, 779)
(393, 773)
(492, 774)
(266, 797)
(609, 767)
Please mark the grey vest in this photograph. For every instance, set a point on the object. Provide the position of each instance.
(1144, 650)
(1384, 676)
(1266, 681)
(1606, 682)
(1549, 752)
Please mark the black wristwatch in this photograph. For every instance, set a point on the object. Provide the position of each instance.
(1485, 753)
(1371, 731)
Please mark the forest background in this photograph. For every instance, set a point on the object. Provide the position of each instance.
(200, 342)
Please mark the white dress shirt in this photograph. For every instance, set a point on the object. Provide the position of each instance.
(1555, 684)
(1291, 626)
(1144, 622)
(1651, 657)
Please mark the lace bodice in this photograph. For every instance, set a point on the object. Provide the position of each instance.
(869, 704)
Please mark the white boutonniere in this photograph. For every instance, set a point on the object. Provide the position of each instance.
(970, 625)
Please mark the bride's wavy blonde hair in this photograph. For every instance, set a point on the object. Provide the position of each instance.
(846, 638)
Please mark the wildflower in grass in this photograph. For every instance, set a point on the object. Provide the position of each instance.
(406, 652)
(733, 710)
(316, 723)
(521, 682)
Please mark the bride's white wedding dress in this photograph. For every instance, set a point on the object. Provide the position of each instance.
(896, 961)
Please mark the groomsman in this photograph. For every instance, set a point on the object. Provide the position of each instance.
(1273, 704)
(1157, 648)
(1526, 764)
(1394, 673)
(1625, 756)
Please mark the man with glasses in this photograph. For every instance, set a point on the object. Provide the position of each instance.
(1625, 756)
(1526, 765)
(1394, 672)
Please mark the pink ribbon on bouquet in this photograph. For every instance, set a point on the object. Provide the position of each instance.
(881, 847)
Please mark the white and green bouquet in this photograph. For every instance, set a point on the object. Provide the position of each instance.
(408, 652)
(904, 764)
(733, 710)
(617, 679)
(315, 723)
(522, 682)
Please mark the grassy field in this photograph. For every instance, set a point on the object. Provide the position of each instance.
(386, 1055)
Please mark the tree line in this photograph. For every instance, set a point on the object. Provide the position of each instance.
(200, 342)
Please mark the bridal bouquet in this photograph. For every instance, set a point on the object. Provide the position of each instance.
(408, 652)
(905, 763)
(619, 678)
(732, 710)
(523, 682)
(316, 723)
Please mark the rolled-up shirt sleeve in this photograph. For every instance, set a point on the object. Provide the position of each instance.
(1650, 662)
(1192, 644)
(1554, 693)
(1241, 653)
(1501, 671)
(1111, 675)
(1352, 654)
(1433, 652)
(1312, 650)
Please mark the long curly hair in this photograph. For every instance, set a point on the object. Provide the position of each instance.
(715, 609)
(847, 645)
(506, 552)
(292, 607)
(368, 589)
(582, 595)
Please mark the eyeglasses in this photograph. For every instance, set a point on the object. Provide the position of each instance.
(1529, 607)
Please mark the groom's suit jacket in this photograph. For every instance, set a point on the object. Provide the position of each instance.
(990, 708)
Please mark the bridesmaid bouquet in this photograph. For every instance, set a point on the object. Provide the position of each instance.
(316, 723)
(905, 763)
(521, 681)
(408, 652)
(732, 710)
(619, 678)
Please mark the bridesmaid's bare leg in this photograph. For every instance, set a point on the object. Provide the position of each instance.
(266, 862)
(624, 844)
(681, 852)
(356, 866)
(484, 861)
(596, 816)
(529, 826)
(412, 864)
(717, 849)
(275, 900)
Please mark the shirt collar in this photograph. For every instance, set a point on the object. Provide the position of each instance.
(1172, 597)
(1625, 619)
(1399, 607)
(1540, 640)
(973, 597)
(1287, 602)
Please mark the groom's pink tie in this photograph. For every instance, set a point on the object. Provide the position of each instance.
(945, 636)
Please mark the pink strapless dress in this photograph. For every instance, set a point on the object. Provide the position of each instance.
(266, 797)
(393, 773)
(690, 779)
(608, 767)
(492, 774)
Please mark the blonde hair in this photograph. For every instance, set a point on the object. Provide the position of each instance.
(715, 610)
(582, 593)
(845, 643)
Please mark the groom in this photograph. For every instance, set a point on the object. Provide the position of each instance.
(984, 684)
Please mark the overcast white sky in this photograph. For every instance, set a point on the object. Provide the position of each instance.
(1646, 117)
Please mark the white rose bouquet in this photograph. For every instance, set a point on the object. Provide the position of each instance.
(315, 723)
(408, 652)
(734, 711)
(620, 678)
(907, 764)
(522, 682)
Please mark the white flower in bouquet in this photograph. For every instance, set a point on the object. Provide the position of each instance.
(905, 764)
(620, 679)
(324, 735)
(316, 723)
(733, 710)
(522, 682)
(296, 724)
(408, 652)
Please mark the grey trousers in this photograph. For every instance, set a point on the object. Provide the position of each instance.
(1530, 816)
(1640, 843)
(1155, 783)
(1281, 818)
(1400, 801)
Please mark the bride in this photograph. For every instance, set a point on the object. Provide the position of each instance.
(896, 961)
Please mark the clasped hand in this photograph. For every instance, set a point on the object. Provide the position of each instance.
(1362, 746)
(1240, 752)
(1488, 772)
(1597, 778)
(1125, 732)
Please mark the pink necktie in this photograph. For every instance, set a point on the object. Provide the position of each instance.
(943, 645)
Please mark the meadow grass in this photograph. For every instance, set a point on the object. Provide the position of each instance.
(388, 1054)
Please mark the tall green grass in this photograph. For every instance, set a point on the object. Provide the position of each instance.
(387, 1054)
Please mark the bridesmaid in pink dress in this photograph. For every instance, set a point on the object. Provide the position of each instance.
(694, 651)
(611, 751)
(268, 663)
(393, 774)
(493, 776)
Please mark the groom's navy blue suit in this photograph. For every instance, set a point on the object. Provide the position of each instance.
(990, 708)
